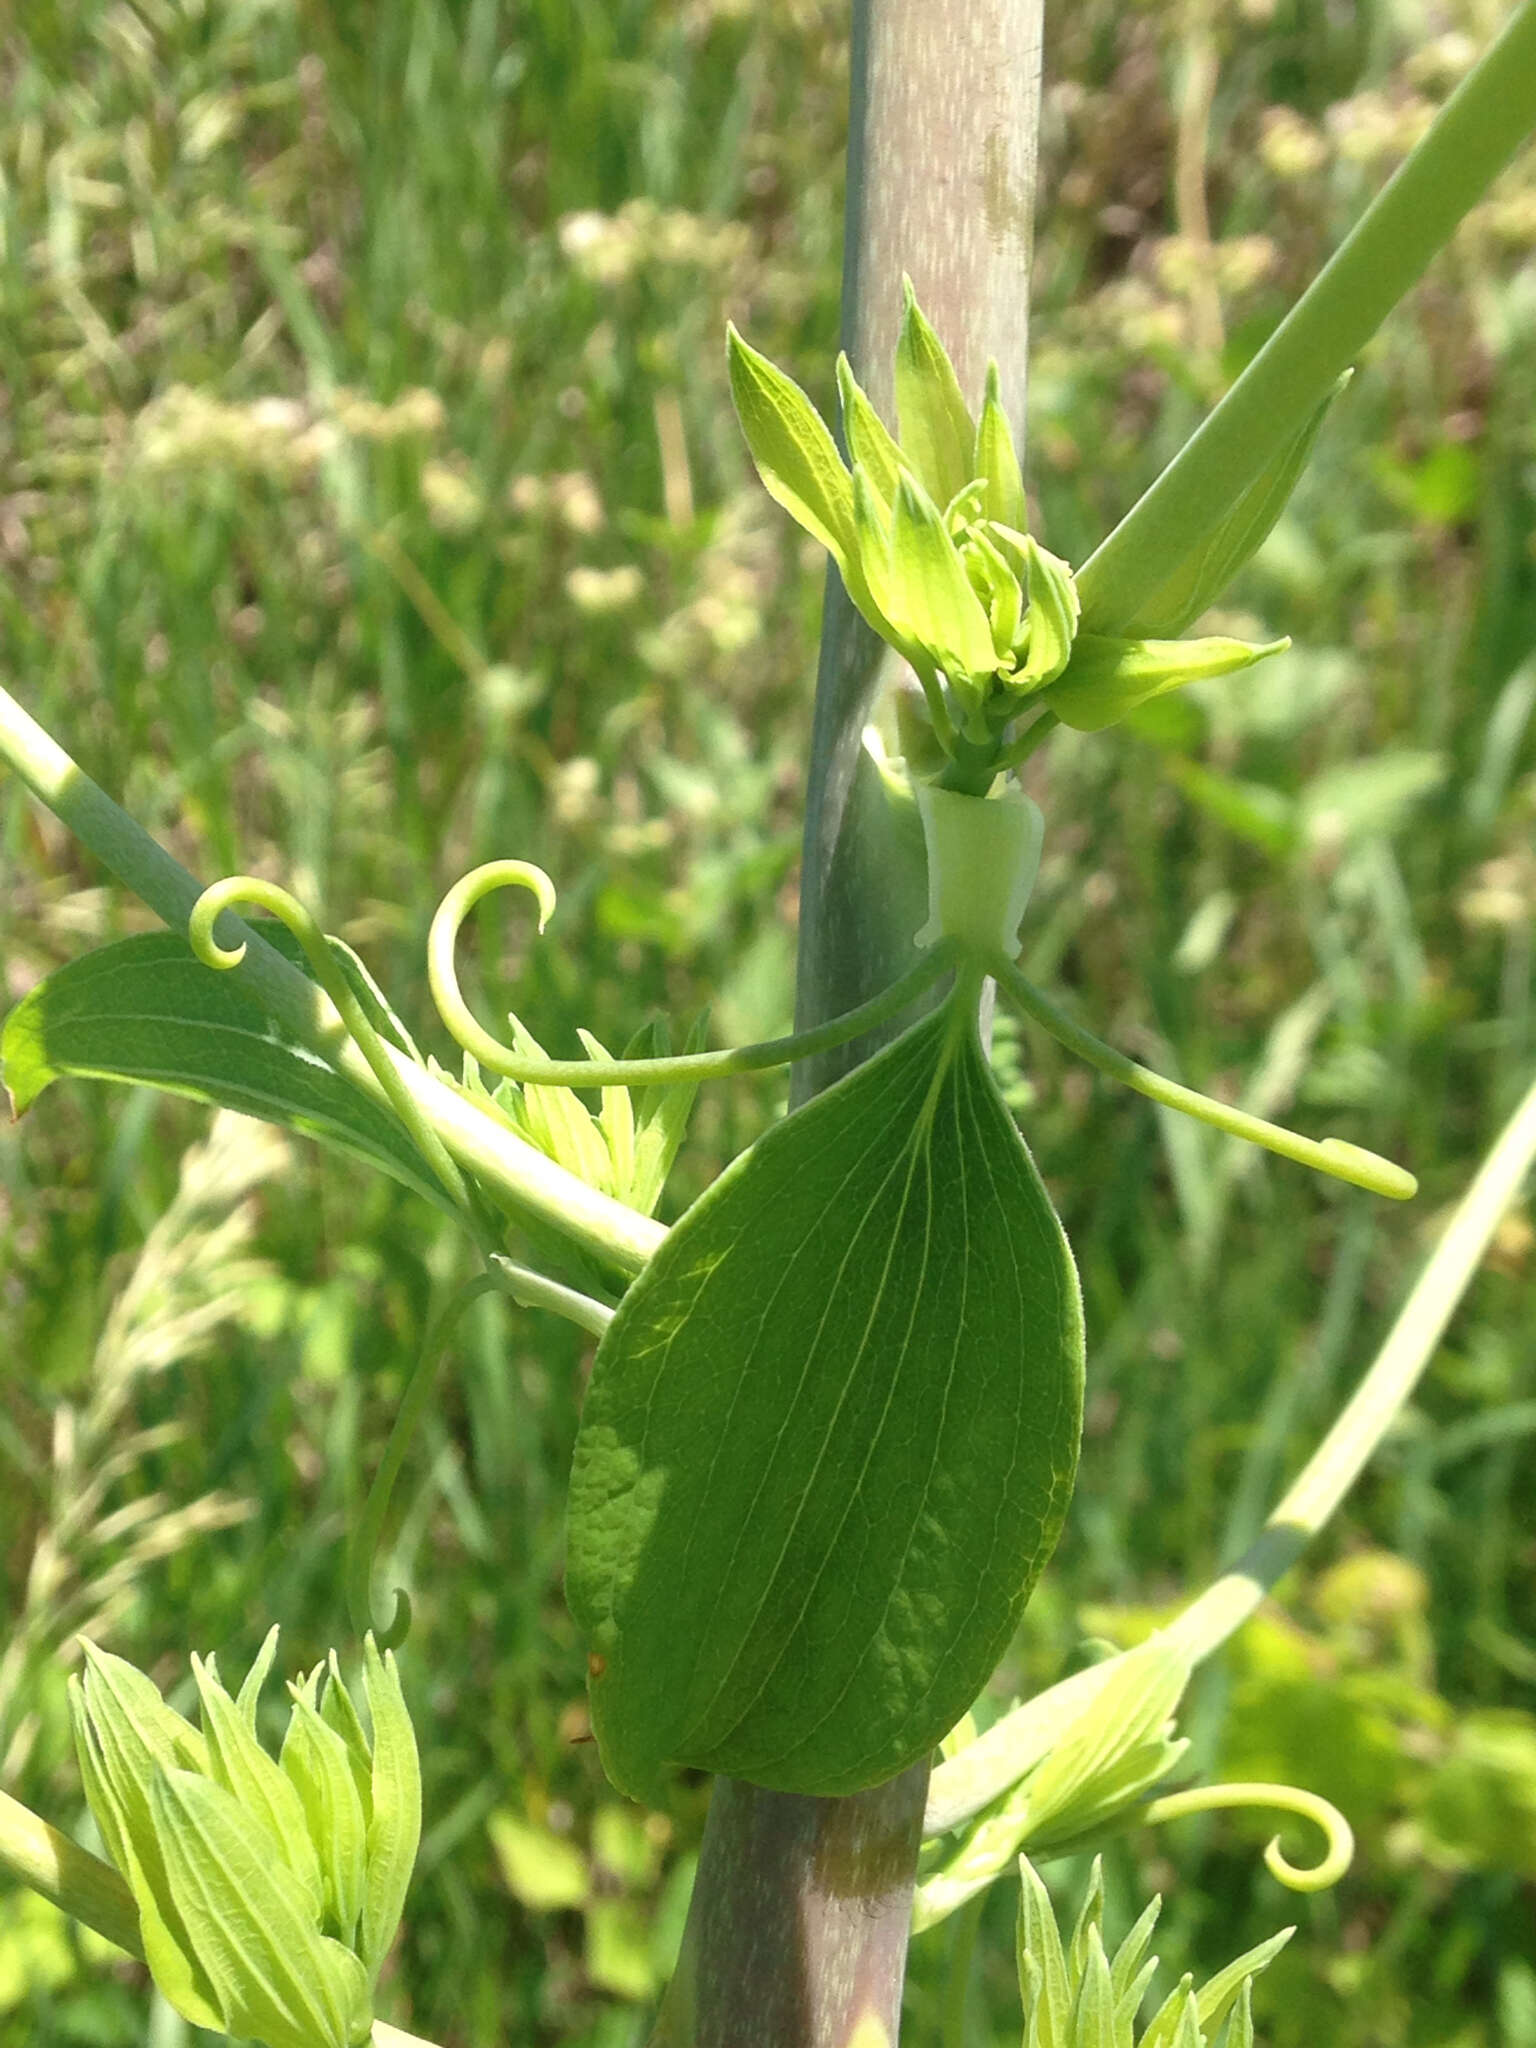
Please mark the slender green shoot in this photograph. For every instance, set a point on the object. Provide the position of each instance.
(688, 1066)
(365, 1541)
(1333, 1156)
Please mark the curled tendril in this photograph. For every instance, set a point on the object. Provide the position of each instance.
(692, 1066)
(220, 897)
(1339, 1836)
(442, 977)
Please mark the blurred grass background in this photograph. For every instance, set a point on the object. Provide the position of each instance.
(370, 505)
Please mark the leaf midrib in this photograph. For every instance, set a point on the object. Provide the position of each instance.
(918, 1146)
(764, 1323)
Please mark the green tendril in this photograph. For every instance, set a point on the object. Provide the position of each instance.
(249, 889)
(690, 1066)
(1333, 1156)
(365, 1542)
(1337, 1832)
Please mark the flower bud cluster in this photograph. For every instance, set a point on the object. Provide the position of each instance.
(930, 535)
(268, 1891)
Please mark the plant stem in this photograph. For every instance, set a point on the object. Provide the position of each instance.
(944, 122)
(798, 1930)
(528, 1181)
(1475, 134)
(75, 1880)
(797, 1935)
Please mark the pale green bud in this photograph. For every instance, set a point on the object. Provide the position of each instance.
(1117, 1749)
(1097, 1772)
(1052, 617)
(996, 462)
(982, 612)
(932, 602)
(315, 1761)
(237, 1761)
(869, 440)
(394, 1816)
(275, 1977)
(623, 1150)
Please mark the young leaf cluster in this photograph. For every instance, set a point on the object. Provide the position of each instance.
(268, 1891)
(624, 1149)
(930, 535)
(1076, 1995)
(1092, 1775)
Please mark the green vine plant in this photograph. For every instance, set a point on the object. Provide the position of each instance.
(869, 1323)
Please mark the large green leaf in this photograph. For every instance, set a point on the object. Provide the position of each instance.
(830, 1437)
(146, 1010)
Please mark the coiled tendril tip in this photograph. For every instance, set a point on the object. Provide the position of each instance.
(1338, 1835)
(381, 1058)
(533, 1068)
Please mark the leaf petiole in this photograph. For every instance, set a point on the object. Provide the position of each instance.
(536, 1290)
(1333, 1156)
(529, 1290)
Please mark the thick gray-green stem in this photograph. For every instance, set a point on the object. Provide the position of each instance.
(798, 1933)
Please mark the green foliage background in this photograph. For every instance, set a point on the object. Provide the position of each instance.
(370, 505)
